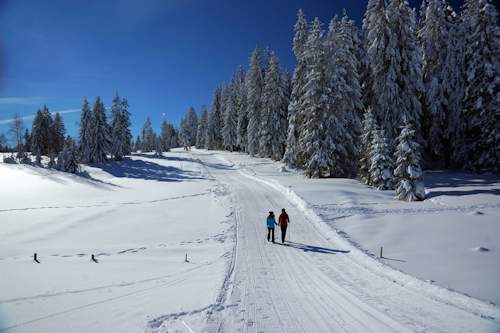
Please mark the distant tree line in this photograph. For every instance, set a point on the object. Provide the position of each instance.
(98, 139)
(148, 141)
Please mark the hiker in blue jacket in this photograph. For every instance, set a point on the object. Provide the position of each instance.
(271, 222)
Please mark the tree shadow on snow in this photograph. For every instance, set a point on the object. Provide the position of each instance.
(219, 166)
(312, 248)
(64, 178)
(436, 179)
(433, 194)
(139, 169)
(166, 158)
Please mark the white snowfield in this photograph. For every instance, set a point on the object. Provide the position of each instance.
(141, 217)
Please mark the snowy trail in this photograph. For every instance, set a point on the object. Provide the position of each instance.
(311, 284)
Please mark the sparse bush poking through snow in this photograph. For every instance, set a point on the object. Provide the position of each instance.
(408, 172)
(9, 159)
(24, 158)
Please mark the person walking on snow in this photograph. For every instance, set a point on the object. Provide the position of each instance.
(283, 222)
(270, 222)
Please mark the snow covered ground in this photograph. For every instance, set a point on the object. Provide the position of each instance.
(452, 238)
(140, 217)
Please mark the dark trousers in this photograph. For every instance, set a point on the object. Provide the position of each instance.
(270, 233)
(283, 233)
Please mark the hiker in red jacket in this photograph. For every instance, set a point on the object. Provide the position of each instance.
(283, 222)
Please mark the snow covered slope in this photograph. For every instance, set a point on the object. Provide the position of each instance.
(139, 217)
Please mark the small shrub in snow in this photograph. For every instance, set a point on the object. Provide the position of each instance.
(9, 159)
(408, 172)
(23, 158)
(382, 166)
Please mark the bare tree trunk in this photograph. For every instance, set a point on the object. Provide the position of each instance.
(16, 131)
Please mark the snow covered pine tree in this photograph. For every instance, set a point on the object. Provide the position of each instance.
(201, 131)
(254, 83)
(382, 165)
(369, 126)
(482, 94)
(408, 172)
(85, 136)
(291, 157)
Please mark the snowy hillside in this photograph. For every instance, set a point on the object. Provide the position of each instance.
(139, 217)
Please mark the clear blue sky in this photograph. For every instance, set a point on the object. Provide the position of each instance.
(163, 55)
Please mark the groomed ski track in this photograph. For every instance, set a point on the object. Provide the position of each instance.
(319, 282)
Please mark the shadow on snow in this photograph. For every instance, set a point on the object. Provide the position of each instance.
(139, 169)
(312, 248)
(435, 180)
(219, 166)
